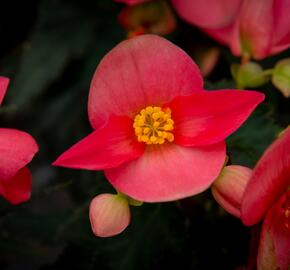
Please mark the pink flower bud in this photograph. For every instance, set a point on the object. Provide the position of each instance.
(109, 214)
(229, 188)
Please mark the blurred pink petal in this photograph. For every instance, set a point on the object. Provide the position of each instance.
(211, 14)
(17, 148)
(109, 215)
(17, 189)
(207, 59)
(4, 82)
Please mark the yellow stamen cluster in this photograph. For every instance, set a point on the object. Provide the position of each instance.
(153, 125)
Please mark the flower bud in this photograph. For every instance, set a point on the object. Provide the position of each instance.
(249, 75)
(206, 58)
(109, 214)
(281, 76)
(229, 188)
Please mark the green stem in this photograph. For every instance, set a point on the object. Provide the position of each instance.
(268, 71)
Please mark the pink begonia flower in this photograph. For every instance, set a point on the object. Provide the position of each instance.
(267, 194)
(258, 28)
(132, 2)
(17, 149)
(157, 134)
(109, 214)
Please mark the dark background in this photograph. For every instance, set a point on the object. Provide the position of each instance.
(50, 49)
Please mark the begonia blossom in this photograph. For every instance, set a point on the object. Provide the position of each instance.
(257, 28)
(17, 148)
(158, 134)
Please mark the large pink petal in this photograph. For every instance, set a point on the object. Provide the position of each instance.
(209, 117)
(18, 188)
(142, 71)
(3, 87)
(211, 14)
(17, 148)
(271, 177)
(274, 245)
(169, 172)
(106, 147)
(256, 27)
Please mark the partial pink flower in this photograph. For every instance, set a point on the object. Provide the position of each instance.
(256, 28)
(132, 2)
(274, 247)
(109, 214)
(267, 195)
(154, 17)
(17, 149)
(158, 135)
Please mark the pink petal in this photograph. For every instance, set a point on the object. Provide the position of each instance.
(282, 45)
(142, 71)
(209, 117)
(18, 188)
(4, 82)
(281, 22)
(274, 248)
(208, 13)
(169, 172)
(17, 148)
(106, 147)
(109, 215)
(229, 188)
(256, 27)
(271, 177)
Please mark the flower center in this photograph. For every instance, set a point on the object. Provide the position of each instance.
(153, 125)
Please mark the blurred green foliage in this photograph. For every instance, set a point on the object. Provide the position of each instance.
(50, 53)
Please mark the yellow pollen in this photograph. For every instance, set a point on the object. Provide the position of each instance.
(153, 125)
